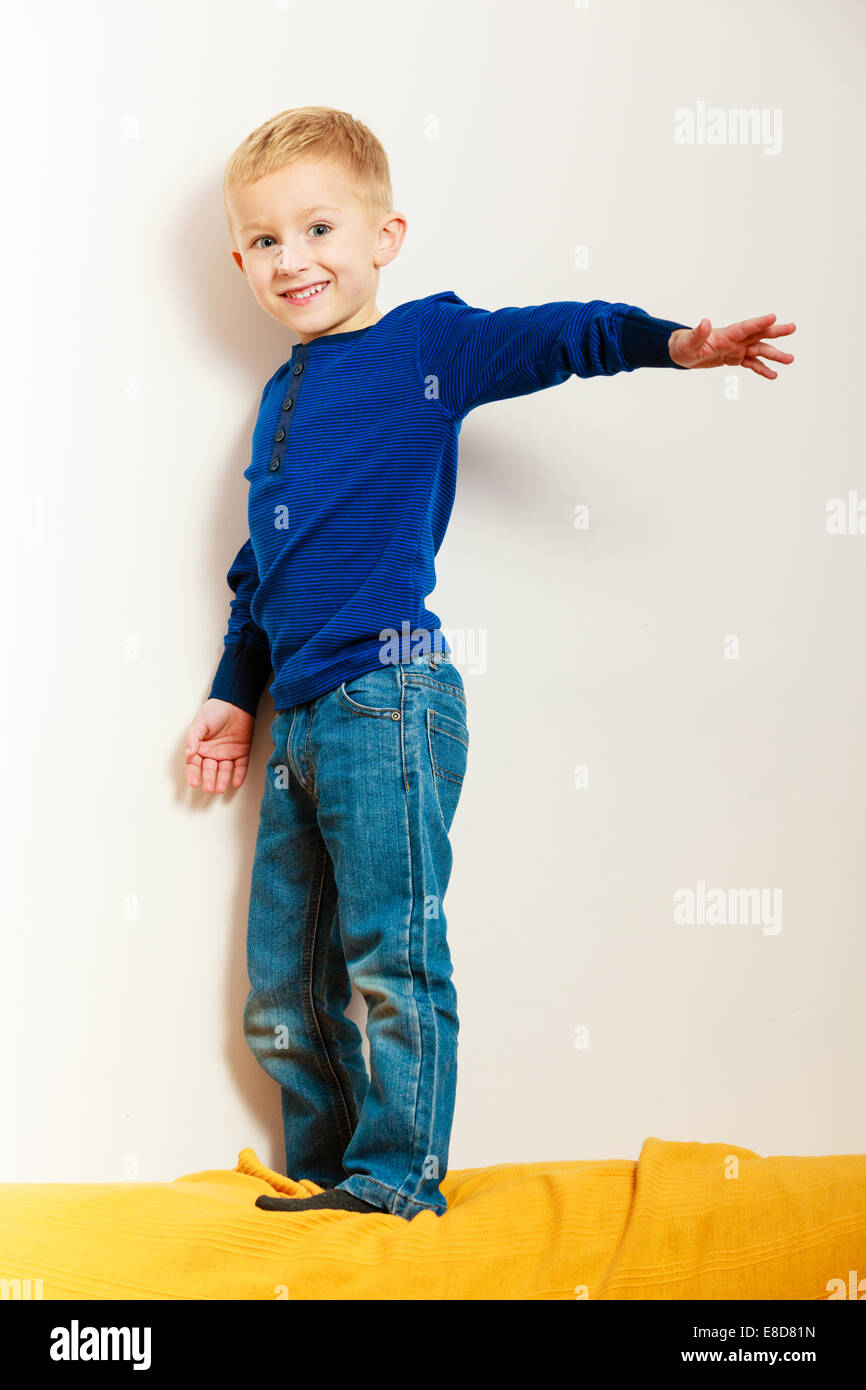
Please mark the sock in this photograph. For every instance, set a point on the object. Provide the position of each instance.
(333, 1199)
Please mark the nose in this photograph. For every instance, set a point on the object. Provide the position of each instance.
(290, 260)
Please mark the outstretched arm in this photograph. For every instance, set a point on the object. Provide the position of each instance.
(468, 356)
(738, 345)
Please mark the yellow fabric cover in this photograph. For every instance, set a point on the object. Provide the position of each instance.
(676, 1224)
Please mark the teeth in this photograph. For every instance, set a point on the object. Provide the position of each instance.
(306, 294)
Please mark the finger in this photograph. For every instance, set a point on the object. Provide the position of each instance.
(764, 350)
(778, 330)
(197, 730)
(757, 325)
(241, 765)
(193, 771)
(224, 773)
(756, 365)
(749, 328)
(698, 336)
(208, 773)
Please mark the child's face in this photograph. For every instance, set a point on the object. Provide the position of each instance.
(301, 226)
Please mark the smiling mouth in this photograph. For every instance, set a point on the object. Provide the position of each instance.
(307, 294)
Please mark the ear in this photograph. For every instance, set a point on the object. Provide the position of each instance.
(391, 233)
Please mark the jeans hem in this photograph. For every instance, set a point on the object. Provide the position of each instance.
(375, 1192)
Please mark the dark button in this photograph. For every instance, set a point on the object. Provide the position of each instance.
(299, 367)
(273, 465)
(288, 403)
(280, 436)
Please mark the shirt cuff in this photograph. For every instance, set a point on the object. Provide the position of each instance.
(241, 676)
(645, 340)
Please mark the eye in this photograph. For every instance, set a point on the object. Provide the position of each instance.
(320, 224)
(263, 238)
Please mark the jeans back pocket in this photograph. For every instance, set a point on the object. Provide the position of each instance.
(448, 741)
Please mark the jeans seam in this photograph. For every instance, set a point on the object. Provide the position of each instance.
(295, 771)
(412, 915)
(418, 679)
(323, 1049)
(307, 754)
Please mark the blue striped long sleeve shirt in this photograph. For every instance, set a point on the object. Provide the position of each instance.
(353, 474)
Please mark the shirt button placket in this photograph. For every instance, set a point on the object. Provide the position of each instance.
(288, 405)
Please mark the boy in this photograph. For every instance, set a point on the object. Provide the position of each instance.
(352, 481)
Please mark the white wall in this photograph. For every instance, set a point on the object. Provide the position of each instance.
(134, 361)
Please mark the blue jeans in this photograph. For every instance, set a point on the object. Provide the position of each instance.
(351, 866)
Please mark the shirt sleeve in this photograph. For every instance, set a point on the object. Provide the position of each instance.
(469, 356)
(243, 671)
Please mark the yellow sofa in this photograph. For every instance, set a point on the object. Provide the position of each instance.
(686, 1220)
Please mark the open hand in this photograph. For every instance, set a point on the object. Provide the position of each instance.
(739, 345)
(218, 746)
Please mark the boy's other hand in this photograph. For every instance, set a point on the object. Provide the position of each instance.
(738, 345)
(218, 746)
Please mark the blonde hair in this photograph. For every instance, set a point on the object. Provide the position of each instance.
(321, 132)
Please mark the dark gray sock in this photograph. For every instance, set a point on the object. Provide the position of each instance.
(333, 1199)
